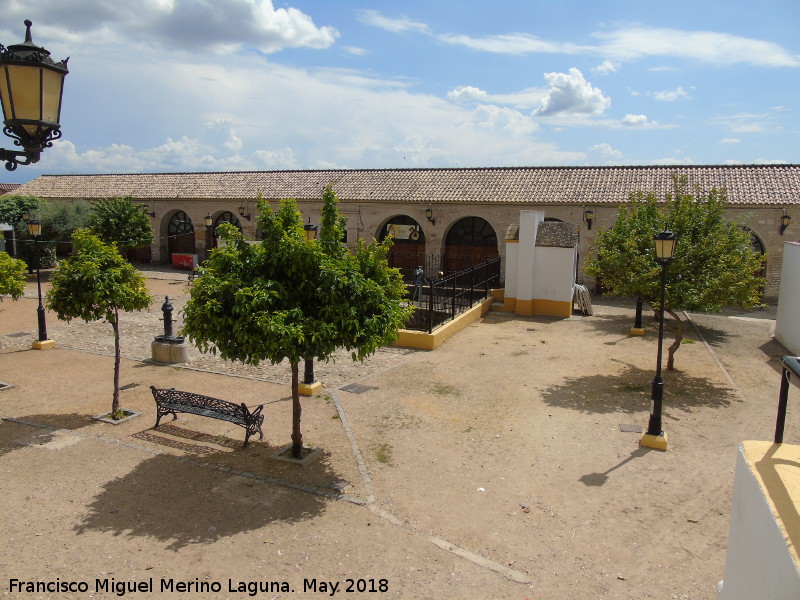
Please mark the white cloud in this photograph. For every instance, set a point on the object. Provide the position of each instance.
(637, 122)
(571, 94)
(705, 46)
(395, 25)
(633, 43)
(467, 92)
(672, 95)
(219, 26)
(606, 67)
(606, 150)
(730, 141)
(515, 43)
(673, 161)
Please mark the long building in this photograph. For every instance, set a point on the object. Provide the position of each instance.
(441, 218)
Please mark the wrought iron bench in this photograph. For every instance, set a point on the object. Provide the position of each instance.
(171, 401)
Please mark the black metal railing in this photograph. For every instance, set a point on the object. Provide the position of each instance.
(440, 300)
(791, 365)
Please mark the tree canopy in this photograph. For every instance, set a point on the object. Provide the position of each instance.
(121, 221)
(95, 283)
(287, 298)
(12, 276)
(12, 206)
(714, 264)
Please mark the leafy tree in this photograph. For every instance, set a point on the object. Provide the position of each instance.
(12, 276)
(714, 263)
(58, 219)
(97, 283)
(121, 221)
(289, 298)
(13, 206)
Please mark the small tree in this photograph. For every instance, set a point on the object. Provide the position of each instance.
(120, 221)
(12, 277)
(714, 264)
(97, 283)
(294, 299)
(13, 206)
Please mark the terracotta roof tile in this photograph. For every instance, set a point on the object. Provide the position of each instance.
(745, 184)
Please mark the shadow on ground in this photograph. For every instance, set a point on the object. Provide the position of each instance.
(180, 503)
(15, 434)
(629, 391)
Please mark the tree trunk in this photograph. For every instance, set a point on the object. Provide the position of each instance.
(677, 343)
(115, 412)
(297, 437)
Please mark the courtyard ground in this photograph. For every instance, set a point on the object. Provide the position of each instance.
(497, 466)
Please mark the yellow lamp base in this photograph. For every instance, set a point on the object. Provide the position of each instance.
(309, 389)
(43, 344)
(637, 330)
(658, 442)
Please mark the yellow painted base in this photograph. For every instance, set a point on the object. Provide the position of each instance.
(309, 389)
(43, 345)
(544, 308)
(429, 341)
(637, 330)
(659, 442)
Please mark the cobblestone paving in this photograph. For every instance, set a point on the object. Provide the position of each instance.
(137, 330)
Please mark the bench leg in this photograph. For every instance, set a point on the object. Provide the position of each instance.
(163, 413)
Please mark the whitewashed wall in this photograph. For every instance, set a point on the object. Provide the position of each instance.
(787, 325)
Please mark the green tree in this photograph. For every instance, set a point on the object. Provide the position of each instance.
(12, 277)
(94, 283)
(121, 221)
(58, 219)
(714, 264)
(13, 206)
(287, 298)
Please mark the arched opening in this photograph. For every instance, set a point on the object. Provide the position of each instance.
(180, 235)
(470, 241)
(408, 250)
(225, 217)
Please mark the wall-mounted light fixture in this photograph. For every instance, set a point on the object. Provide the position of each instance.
(588, 216)
(786, 220)
(31, 85)
(243, 212)
(429, 215)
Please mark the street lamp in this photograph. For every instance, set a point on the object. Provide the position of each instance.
(310, 230)
(209, 222)
(655, 437)
(35, 230)
(31, 85)
(309, 387)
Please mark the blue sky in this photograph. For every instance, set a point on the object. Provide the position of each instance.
(217, 85)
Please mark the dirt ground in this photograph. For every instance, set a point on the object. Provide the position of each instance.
(497, 466)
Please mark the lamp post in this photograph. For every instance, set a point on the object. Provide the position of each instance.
(209, 222)
(31, 86)
(655, 437)
(35, 230)
(309, 387)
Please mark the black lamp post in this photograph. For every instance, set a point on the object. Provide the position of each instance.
(209, 222)
(308, 375)
(655, 437)
(35, 230)
(31, 85)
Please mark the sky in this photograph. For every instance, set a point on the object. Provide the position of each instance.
(250, 85)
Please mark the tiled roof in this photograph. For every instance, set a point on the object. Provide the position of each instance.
(6, 188)
(751, 184)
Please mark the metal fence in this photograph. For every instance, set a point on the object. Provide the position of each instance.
(440, 300)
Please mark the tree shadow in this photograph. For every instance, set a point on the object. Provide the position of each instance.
(629, 391)
(38, 430)
(183, 502)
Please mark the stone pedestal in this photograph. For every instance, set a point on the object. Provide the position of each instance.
(169, 353)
